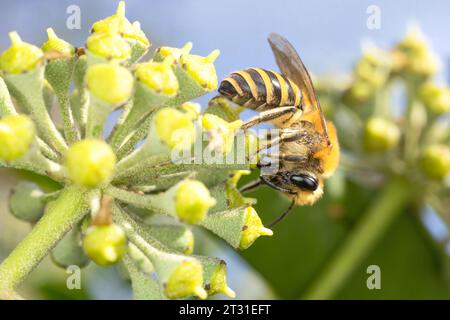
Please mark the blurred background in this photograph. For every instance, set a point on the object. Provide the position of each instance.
(321, 251)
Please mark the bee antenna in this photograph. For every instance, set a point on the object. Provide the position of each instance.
(283, 215)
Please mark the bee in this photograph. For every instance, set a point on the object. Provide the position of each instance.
(308, 144)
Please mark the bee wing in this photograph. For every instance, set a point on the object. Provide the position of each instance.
(292, 67)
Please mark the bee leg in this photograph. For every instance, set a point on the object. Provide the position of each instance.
(251, 185)
(282, 216)
(292, 135)
(267, 116)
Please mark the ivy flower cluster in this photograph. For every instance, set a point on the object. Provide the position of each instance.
(119, 201)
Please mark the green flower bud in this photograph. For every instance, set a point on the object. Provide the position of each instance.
(380, 135)
(253, 229)
(436, 161)
(373, 68)
(158, 76)
(69, 251)
(26, 203)
(193, 201)
(220, 131)
(90, 163)
(119, 24)
(412, 55)
(109, 45)
(215, 276)
(20, 57)
(174, 128)
(186, 280)
(191, 108)
(17, 134)
(435, 98)
(105, 244)
(218, 281)
(175, 52)
(110, 82)
(57, 44)
(201, 69)
(359, 92)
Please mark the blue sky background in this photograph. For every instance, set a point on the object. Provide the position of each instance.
(328, 33)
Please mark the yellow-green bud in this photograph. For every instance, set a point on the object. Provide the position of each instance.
(109, 45)
(17, 133)
(201, 69)
(90, 163)
(110, 82)
(436, 161)
(20, 57)
(253, 229)
(105, 244)
(186, 280)
(220, 131)
(413, 55)
(380, 135)
(158, 76)
(436, 98)
(373, 67)
(192, 201)
(175, 52)
(359, 92)
(118, 23)
(57, 44)
(174, 128)
(218, 282)
(192, 108)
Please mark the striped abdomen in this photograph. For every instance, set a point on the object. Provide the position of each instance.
(260, 89)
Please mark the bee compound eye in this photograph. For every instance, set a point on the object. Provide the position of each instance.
(304, 181)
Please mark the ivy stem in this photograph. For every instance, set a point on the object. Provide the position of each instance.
(60, 216)
(381, 214)
(70, 130)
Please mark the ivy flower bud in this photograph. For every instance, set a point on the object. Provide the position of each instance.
(158, 76)
(120, 24)
(436, 161)
(26, 203)
(174, 128)
(435, 98)
(90, 163)
(20, 57)
(175, 52)
(192, 108)
(17, 134)
(373, 67)
(359, 92)
(412, 55)
(218, 282)
(192, 201)
(105, 244)
(186, 280)
(109, 45)
(220, 131)
(56, 44)
(253, 229)
(110, 82)
(380, 135)
(201, 69)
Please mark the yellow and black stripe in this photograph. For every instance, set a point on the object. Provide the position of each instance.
(260, 89)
